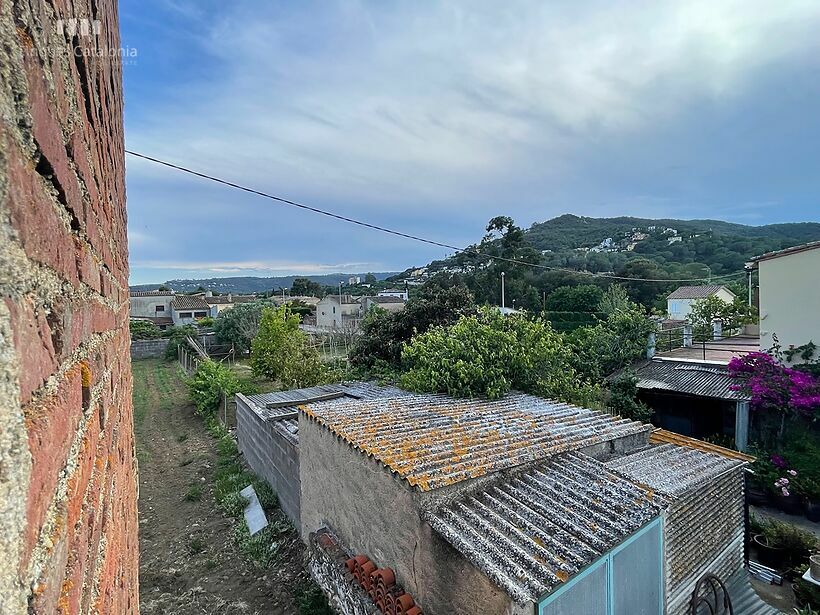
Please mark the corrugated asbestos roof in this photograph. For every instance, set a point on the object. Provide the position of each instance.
(689, 378)
(433, 441)
(187, 302)
(673, 470)
(285, 416)
(695, 292)
(531, 533)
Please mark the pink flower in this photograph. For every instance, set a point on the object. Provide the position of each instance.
(793, 472)
(785, 491)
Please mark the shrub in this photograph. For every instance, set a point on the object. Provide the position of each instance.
(143, 330)
(281, 352)
(239, 325)
(623, 398)
(210, 381)
(489, 354)
(176, 336)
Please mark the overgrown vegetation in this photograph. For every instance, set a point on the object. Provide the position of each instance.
(623, 398)
(176, 336)
(281, 351)
(239, 325)
(143, 330)
(488, 354)
(211, 381)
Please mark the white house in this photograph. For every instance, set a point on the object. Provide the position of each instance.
(789, 283)
(187, 309)
(394, 292)
(679, 303)
(335, 312)
(153, 306)
(391, 304)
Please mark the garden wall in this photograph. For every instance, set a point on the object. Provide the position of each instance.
(147, 349)
(68, 514)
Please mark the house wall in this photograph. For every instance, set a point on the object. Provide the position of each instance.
(375, 513)
(68, 490)
(789, 296)
(271, 454)
(703, 532)
(679, 309)
(147, 306)
(330, 314)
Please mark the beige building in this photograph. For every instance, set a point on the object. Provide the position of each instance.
(338, 312)
(391, 304)
(789, 282)
(153, 306)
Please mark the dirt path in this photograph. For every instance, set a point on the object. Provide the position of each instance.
(189, 560)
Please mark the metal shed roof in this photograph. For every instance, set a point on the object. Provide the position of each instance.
(706, 380)
(531, 533)
(433, 441)
(673, 470)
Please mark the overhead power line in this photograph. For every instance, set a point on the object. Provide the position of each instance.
(390, 231)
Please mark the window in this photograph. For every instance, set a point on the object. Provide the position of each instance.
(160, 308)
(185, 314)
(200, 314)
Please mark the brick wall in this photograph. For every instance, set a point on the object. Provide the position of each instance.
(272, 452)
(68, 522)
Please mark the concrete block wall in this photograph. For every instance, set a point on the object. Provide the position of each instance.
(272, 453)
(68, 516)
(147, 349)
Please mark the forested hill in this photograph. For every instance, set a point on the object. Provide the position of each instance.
(570, 232)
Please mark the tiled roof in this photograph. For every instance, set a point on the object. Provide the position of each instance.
(705, 380)
(673, 470)
(695, 292)
(531, 533)
(150, 293)
(234, 299)
(433, 441)
(188, 302)
(813, 245)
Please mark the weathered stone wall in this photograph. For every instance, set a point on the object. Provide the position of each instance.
(375, 513)
(148, 349)
(272, 453)
(68, 522)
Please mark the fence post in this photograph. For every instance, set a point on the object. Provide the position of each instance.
(650, 345)
(717, 329)
(688, 334)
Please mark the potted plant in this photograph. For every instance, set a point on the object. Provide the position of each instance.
(769, 552)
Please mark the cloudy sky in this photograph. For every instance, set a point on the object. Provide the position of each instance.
(432, 117)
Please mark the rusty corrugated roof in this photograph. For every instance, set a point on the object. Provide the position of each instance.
(706, 380)
(531, 533)
(433, 441)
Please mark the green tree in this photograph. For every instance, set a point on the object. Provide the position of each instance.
(623, 398)
(305, 287)
(281, 351)
(176, 336)
(143, 330)
(370, 279)
(488, 354)
(442, 301)
(612, 344)
(731, 315)
(211, 381)
(615, 299)
(239, 324)
(583, 298)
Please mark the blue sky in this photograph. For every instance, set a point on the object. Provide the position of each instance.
(432, 117)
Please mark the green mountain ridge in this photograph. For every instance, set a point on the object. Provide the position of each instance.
(251, 284)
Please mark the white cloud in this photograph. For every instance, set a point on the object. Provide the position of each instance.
(423, 102)
(248, 267)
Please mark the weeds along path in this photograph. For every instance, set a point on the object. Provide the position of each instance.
(189, 559)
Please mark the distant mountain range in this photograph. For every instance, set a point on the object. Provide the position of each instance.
(251, 284)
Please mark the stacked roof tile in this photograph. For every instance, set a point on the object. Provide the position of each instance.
(433, 441)
(531, 533)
